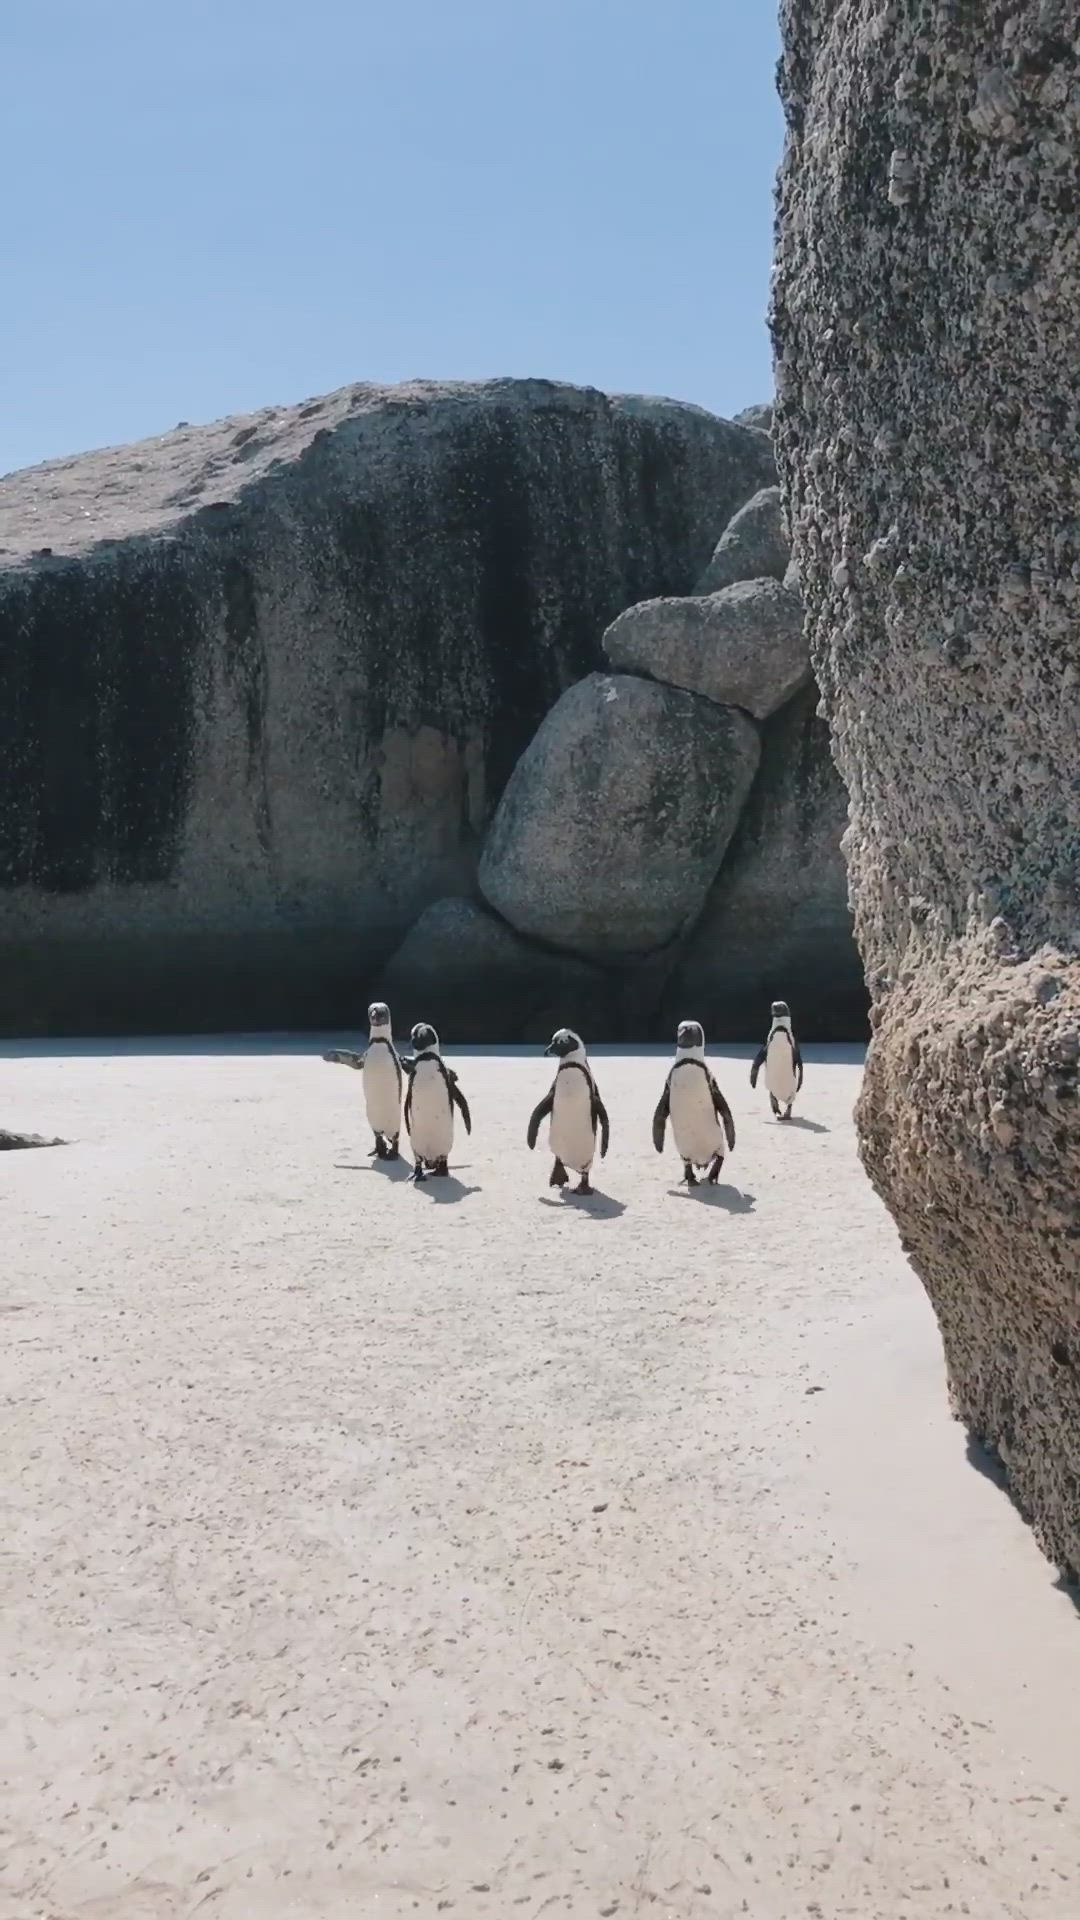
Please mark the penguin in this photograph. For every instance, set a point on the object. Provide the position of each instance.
(383, 1072)
(700, 1117)
(575, 1109)
(782, 1062)
(432, 1095)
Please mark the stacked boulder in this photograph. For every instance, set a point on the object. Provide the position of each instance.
(670, 838)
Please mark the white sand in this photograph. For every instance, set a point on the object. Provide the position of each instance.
(373, 1550)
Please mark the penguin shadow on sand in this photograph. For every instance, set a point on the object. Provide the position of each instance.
(444, 1188)
(800, 1123)
(597, 1206)
(728, 1199)
(398, 1169)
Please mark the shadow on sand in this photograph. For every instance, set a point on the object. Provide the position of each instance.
(444, 1189)
(729, 1198)
(990, 1467)
(598, 1206)
(390, 1169)
(804, 1125)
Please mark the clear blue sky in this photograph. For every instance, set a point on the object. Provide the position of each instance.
(212, 205)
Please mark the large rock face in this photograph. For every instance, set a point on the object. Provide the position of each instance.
(261, 694)
(928, 428)
(615, 821)
(472, 976)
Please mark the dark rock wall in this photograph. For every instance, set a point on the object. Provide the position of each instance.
(928, 432)
(777, 924)
(258, 703)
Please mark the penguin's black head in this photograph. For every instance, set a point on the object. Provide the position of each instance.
(781, 1010)
(565, 1042)
(378, 1014)
(691, 1033)
(424, 1038)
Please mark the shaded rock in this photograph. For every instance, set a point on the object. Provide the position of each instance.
(753, 546)
(11, 1142)
(928, 433)
(742, 647)
(259, 699)
(777, 924)
(617, 816)
(759, 417)
(478, 982)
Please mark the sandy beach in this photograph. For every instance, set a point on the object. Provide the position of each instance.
(381, 1550)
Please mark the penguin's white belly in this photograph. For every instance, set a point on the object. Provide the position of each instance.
(695, 1128)
(382, 1095)
(431, 1114)
(570, 1133)
(780, 1070)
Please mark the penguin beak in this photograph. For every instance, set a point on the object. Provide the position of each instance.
(552, 1048)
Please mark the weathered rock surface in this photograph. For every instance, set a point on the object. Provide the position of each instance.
(262, 683)
(928, 431)
(777, 924)
(470, 974)
(479, 981)
(742, 647)
(754, 545)
(616, 819)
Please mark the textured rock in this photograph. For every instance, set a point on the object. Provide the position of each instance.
(262, 683)
(476, 980)
(618, 815)
(928, 430)
(743, 647)
(777, 924)
(480, 982)
(754, 545)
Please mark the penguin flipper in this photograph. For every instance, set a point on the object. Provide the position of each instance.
(723, 1113)
(460, 1102)
(599, 1113)
(338, 1057)
(408, 1107)
(759, 1062)
(660, 1117)
(539, 1113)
(798, 1069)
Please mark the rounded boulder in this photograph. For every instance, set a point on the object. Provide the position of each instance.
(742, 647)
(617, 816)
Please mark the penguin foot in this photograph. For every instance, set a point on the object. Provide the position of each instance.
(393, 1151)
(787, 1111)
(418, 1172)
(689, 1176)
(715, 1165)
(774, 1104)
(559, 1175)
(442, 1168)
(379, 1149)
(583, 1185)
